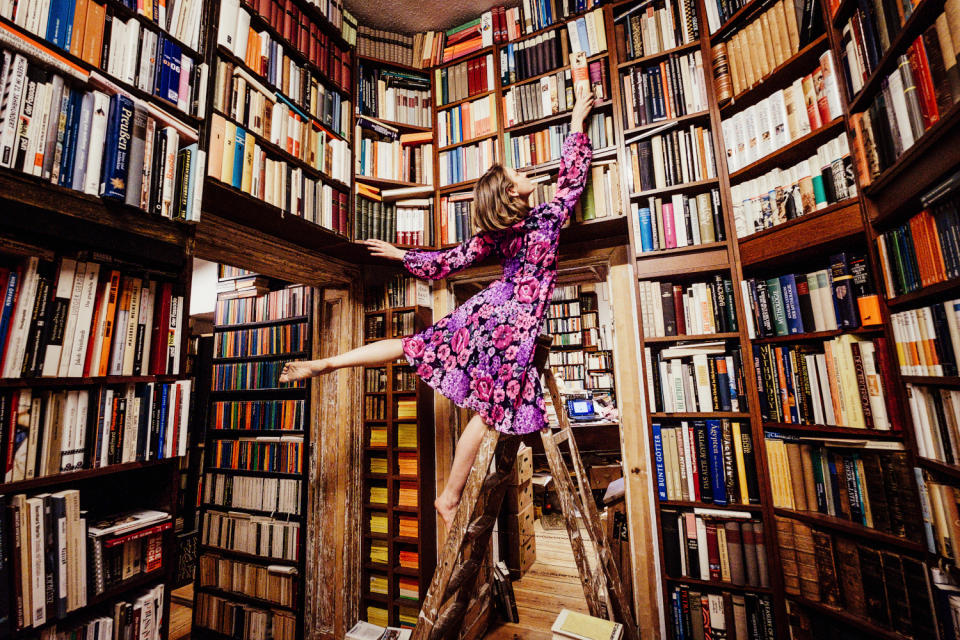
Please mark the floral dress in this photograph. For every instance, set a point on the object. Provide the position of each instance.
(481, 355)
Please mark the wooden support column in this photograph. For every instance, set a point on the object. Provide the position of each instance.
(334, 515)
(638, 481)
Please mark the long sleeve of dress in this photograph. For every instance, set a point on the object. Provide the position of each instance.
(434, 265)
(575, 157)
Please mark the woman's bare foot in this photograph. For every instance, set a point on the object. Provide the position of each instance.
(301, 369)
(446, 506)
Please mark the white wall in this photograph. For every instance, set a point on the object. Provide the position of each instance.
(203, 291)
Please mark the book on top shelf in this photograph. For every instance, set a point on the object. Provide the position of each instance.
(398, 96)
(644, 29)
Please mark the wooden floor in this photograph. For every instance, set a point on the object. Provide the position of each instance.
(181, 615)
(551, 584)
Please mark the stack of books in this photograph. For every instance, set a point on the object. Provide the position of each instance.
(378, 436)
(409, 589)
(378, 464)
(407, 464)
(378, 584)
(407, 435)
(378, 495)
(408, 494)
(408, 527)
(378, 523)
(379, 553)
(409, 559)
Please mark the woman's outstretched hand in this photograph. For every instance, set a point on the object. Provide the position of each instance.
(581, 109)
(382, 249)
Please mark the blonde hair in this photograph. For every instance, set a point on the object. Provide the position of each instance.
(493, 207)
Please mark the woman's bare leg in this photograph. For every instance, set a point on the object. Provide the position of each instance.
(463, 459)
(372, 354)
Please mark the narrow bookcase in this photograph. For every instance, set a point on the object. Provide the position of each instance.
(388, 391)
(268, 426)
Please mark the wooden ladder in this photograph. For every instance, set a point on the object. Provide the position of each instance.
(458, 578)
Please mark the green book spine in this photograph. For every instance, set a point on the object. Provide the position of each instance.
(776, 306)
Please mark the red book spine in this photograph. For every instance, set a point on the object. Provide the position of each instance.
(136, 535)
(11, 432)
(924, 81)
(94, 328)
(344, 212)
(678, 313)
(894, 407)
(161, 325)
(713, 551)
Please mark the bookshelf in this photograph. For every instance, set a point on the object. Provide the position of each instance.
(254, 471)
(397, 408)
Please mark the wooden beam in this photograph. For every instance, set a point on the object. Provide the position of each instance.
(335, 490)
(223, 241)
(639, 487)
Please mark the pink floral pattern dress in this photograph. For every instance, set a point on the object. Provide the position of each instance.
(480, 356)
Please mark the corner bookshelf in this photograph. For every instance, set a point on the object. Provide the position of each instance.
(258, 435)
(388, 390)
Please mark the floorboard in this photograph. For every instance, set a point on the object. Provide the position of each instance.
(549, 586)
(181, 616)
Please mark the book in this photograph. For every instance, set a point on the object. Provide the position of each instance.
(571, 624)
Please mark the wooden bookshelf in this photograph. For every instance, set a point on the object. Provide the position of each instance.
(393, 391)
(215, 433)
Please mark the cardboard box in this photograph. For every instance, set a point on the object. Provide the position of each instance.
(520, 525)
(523, 469)
(516, 499)
(521, 557)
(602, 475)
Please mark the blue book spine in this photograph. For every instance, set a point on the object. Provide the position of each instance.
(723, 385)
(172, 57)
(853, 490)
(818, 479)
(159, 69)
(54, 12)
(658, 458)
(68, 160)
(841, 283)
(9, 296)
(113, 176)
(784, 354)
(238, 157)
(646, 230)
(582, 36)
(66, 23)
(791, 305)
(164, 397)
(734, 395)
(925, 509)
(837, 483)
(715, 439)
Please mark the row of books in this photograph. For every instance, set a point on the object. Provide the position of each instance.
(243, 621)
(374, 408)
(643, 29)
(912, 98)
(564, 325)
(142, 618)
(694, 614)
(550, 95)
(260, 341)
(271, 495)
(923, 250)
(935, 414)
(545, 145)
(699, 308)
(125, 49)
(781, 195)
(289, 302)
(768, 41)
(840, 383)
(709, 461)
(942, 527)
(385, 45)
(398, 96)
(122, 547)
(551, 50)
(668, 89)
(73, 318)
(532, 16)
(272, 583)
(404, 222)
(467, 162)
(273, 118)
(463, 80)
(680, 222)
(840, 297)
(400, 290)
(780, 118)
(700, 377)
(265, 453)
(257, 535)
(880, 587)
(467, 120)
(601, 198)
(242, 376)
(237, 158)
(927, 339)
(871, 489)
(100, 144)
(300, 33)
(716, 546)
(291, 81)
(455, 212)
(374, 378)
(672, 158)
(385, 154)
